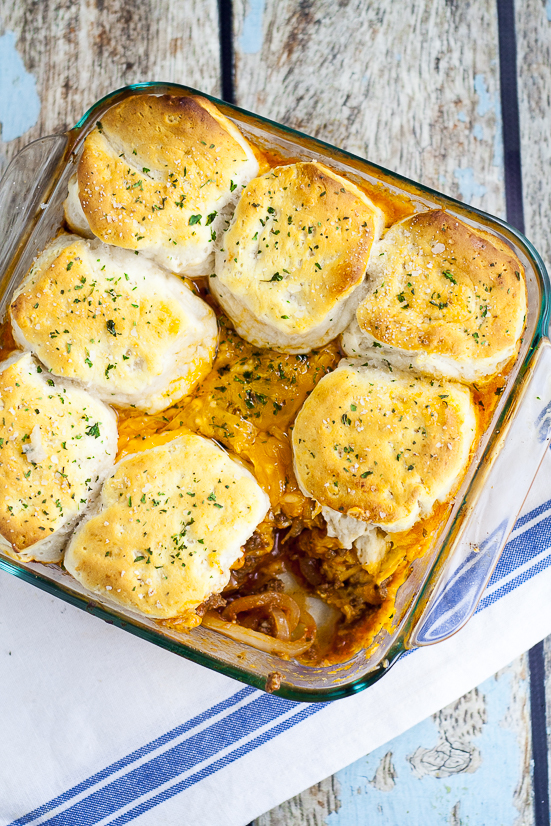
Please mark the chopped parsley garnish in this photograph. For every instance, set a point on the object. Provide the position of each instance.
(93, 430)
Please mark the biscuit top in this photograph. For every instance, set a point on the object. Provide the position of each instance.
(299, 242)
(382, 446)
(155, 171)
(107, 318)
(53, 438)
(172, 522)
(439, 286)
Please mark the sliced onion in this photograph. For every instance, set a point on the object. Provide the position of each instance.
(267, 601)
(281, 626)
(283, 648)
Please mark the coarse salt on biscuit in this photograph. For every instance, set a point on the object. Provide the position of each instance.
(170, 523)
(160, 174)
(294, 257)
(117, 323)
(443, 299)
(57, 443)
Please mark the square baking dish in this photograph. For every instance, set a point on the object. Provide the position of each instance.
(446, 583)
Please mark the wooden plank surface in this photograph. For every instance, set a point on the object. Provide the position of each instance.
(533, 26)
(58, 58)
(412, 86)
(533, 31)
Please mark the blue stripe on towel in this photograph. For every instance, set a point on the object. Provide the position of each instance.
(523, 547)
(264, 710)
(305, 711)
(180, 758)
(135, 755)
(541, 565)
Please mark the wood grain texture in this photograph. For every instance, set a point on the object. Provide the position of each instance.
(533, 25)
(470, 763)
(413, 86)
(311, 808)
(78, 52)
(547, 655)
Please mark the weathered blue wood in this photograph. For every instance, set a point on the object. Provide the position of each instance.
(468, 765)
(464, 765)
(58, 57)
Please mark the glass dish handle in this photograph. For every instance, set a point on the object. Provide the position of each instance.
(23, 190)
(470, 564)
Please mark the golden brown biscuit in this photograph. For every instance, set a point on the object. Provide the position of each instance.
(57, 443)
(294, 257)
(381, 447)
(170, 524)
(443, 297)
(125, 328)
(159, 174)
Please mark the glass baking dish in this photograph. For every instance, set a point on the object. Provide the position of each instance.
(445, 585)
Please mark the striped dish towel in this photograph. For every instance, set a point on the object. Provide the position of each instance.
(99, 727)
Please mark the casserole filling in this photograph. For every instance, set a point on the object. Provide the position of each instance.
(248, 404)
(317, 579)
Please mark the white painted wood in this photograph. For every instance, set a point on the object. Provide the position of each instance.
(412, 86)
(77, 52)
(533, 25)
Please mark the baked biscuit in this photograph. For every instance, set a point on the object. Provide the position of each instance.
(160, 174)
(443, 298)
(295, 256)
(170, 523)
(377, 449)
(119, 324)
(57, 444)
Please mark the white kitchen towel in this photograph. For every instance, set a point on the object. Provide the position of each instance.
(99, 727)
